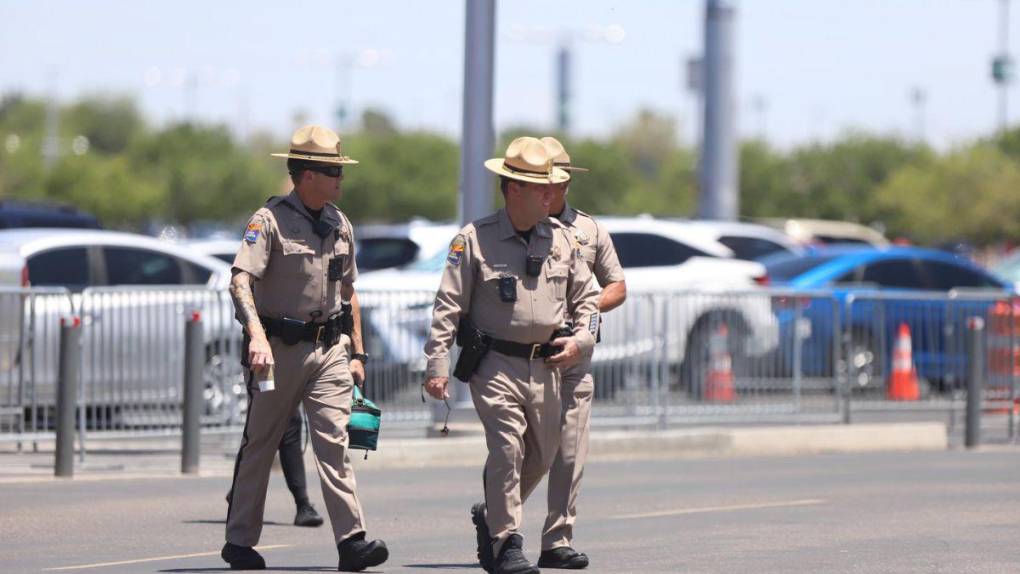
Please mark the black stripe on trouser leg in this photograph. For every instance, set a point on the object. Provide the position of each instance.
(244, 442)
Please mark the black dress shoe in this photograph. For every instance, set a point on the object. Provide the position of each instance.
(306, 516)
(482, 538)
(511, 558)
(242, 557)
(356, 553)
(563, 557)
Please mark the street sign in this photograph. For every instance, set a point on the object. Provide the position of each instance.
(1002, 69)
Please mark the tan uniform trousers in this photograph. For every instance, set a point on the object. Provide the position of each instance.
(568, 467)
(320, 380)
(518, 402)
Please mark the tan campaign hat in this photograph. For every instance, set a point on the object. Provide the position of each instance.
(559, 154)
(527, 159)
(316, 143)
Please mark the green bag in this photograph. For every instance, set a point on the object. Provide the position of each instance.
(363, 427)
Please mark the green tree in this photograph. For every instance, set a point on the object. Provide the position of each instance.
(107, 187)
(109, 123)
(970, 193)
(837, 180)
(202, 174)
(401, 175)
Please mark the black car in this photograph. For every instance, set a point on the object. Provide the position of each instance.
(21, 214)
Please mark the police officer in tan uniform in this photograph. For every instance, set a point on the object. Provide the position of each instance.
(293, 291)
(510, 279)
(592, 241)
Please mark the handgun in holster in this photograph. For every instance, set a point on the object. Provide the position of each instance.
(565, 330)
(473, 344)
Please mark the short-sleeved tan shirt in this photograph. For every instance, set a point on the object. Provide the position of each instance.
(489, 249)
(290, 262)
(595, 245)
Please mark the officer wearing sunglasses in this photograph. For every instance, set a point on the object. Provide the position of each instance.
(293, 291)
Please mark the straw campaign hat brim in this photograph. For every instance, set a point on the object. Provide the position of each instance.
(332, 158)
(318, 144)
(560, 157)
(499, 166)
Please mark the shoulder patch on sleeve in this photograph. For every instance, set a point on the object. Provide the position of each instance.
(456, 250)
(251, 235)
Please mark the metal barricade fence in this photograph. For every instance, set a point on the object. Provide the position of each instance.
(29, 351)
(395, 325)
(908, 350)
(699, 356)
(132, 362)
(760, 355)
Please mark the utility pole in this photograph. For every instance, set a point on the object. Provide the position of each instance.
(566, 41)
(918, 98)
(719, 196)
(1002, 66)
(477, 132)
(563, 76)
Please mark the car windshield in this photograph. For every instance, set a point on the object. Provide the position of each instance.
(785, 268)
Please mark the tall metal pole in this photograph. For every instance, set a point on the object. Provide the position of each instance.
(1004, 54)
(477, 133)
(477, 137)
(719, 197)
(563, 58)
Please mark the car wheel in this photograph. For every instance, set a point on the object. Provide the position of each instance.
(224, 394)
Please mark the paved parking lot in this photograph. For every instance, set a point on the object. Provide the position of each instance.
(949, 511)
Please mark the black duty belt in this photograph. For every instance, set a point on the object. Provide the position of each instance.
(524, 350)
(292, 331)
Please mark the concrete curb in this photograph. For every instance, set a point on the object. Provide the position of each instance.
(467, 449)
(702, 442)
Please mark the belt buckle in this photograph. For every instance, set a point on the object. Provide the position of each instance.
(535, 349)
(318, 333)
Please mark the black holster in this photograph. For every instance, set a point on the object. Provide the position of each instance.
(474, 344)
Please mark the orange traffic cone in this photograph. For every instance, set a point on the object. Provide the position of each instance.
(903, 380)
(719, 382)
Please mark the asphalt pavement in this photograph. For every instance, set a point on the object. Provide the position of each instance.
(939, 511)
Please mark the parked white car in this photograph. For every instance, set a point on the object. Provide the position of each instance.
(747, 241)
(377, 246)
(384, 246)
(692, 280)
(826, 232)
(131, 354)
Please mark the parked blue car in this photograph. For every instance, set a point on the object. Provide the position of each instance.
(873, 292)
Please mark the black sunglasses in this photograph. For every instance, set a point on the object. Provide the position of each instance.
(328, 170)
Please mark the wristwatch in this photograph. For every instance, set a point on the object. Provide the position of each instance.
(363, 357)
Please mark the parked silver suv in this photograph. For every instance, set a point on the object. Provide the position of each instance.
(131, 355)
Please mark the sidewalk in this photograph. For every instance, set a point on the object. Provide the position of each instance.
(160, 458)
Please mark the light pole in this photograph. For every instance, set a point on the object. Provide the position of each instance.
(1002, 66)
(565, 40)
(719, 197)
(918, 98)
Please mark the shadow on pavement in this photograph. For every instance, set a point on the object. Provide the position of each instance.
(268, 569)
(266, 523)
(472, 566)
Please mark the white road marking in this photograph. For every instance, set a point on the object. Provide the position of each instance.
(49, 478)
(156, 559)
(735, 507)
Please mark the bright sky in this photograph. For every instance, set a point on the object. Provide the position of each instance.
(806, 69)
